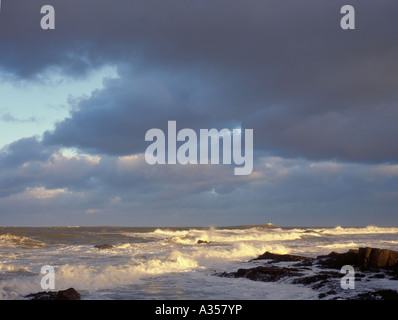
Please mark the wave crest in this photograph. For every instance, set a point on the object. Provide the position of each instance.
(9, 240)
(339, 230)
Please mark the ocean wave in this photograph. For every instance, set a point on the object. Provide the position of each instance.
(339, 246)
(364, 230)
(153, 264)
(147, 261)
(237, 252)
(192, 236)
(13, 269)
(231, 236)
(390, 241)
(9, 240)
(171, 255)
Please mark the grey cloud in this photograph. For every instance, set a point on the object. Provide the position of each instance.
(114, 120)
(284, 191)
(286, 70)
(23, 150)
(12, 157)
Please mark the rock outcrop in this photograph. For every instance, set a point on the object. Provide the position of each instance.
(335, 260)
(377, 258)
(68, 294)
(364, 258)
(264, 273)
(203, 242)
(312, 272)
(275, 257)
(104, 246)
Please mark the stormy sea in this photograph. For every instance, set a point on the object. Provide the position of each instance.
(194, 263)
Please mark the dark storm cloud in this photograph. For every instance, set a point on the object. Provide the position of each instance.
(23, 150)
(114, 120)
(12, 158)
(283, 68)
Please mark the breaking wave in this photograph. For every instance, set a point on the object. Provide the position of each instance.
(365, 230)
(192, 236)
(9, 240)
(142, 260)
(339, 246)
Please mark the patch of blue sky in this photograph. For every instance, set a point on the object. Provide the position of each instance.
(30, 107)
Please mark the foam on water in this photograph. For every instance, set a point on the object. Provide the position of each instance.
(166, 263)
(228, 235)
(366, 230)
(339, 246)
(9, 240)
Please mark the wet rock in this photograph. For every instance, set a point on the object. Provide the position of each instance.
(378, 295)
(264, 273)
(394, 273)
(377, 258)
(393, 259)
(325, 294)
(369, 264)
(378, 276)
(275, 257)
(305, 264)
(203, 242)
(104, 246)
(363, 257)
(336, 260)
(68, 294)
(318, 280)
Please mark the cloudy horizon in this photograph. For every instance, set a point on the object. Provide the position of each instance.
(76, 102)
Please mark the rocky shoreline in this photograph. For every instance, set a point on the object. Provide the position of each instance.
(323, 273)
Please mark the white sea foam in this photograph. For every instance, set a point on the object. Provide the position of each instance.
(390, 242)
(10, 240)
(366, 230)
(229, 235)
(339, 246)
(170, 258)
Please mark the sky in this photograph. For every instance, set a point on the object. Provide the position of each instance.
(77, 101)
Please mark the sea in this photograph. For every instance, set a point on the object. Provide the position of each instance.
(171, 263)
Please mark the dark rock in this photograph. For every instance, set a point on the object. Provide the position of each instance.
(377, 258)
(203, 242)
(372, 263)
(68, 294)
(378, 276)
(281, 257)
(336, 260)
(305, 264)
(393, 259)
(319, 279)
(378, 295)
(266, 274)
(394, 273)
(325, 294)
(363, 257)
(103, 246)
